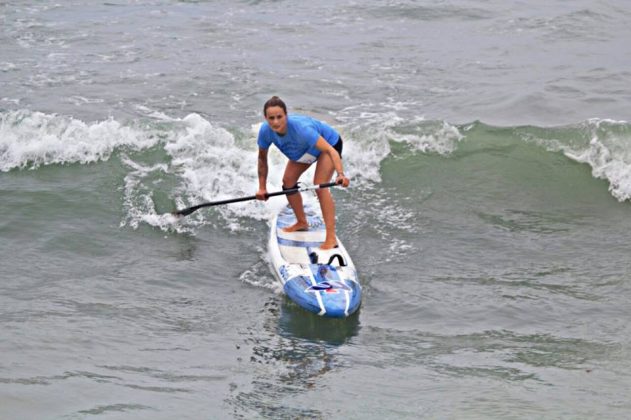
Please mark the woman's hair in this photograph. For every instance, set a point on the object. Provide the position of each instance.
(274, 101)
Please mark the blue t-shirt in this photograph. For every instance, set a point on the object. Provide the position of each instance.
(300, 139)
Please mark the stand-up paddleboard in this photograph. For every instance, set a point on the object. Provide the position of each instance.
(321, 281)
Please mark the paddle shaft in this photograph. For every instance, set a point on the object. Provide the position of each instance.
(187, 211)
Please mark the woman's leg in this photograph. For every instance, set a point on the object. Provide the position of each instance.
(293, 170)
(323, 173)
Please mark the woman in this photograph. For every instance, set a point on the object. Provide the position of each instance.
(303, 140)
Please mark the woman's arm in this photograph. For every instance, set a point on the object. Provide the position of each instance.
(261, 194)
(324, 147)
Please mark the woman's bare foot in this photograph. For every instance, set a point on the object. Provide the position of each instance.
(297, 227)
(328, 245)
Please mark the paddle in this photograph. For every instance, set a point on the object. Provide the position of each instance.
(187, 211)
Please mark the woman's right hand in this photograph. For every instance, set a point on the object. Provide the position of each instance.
(261, 194)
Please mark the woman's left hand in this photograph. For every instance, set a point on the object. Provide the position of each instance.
(342, 180)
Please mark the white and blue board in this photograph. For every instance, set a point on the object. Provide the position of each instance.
(321, 281)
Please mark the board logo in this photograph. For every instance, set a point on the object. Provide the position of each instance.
(283, 272)
(328, 286)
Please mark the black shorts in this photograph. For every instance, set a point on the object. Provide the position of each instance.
(339, 146)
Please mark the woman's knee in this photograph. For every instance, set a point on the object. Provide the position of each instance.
(323, 192)
(292, 173)
(289, 182)
(323, 174)
(290, 178)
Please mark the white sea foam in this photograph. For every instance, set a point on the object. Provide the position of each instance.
(259, 274)
(153, 113)
(138, 198)
(80, 100)
(428, 137)
(6, 66)
(608, 152)
(379, 124)
(207, 161)
(214, 168)
(609, 155)
(30, 139)
(14, 101)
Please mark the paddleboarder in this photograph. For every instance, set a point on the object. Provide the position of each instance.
(304, 140)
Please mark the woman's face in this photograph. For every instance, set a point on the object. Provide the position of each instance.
(277, 119)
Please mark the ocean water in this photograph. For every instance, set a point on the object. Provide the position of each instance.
(488, 215)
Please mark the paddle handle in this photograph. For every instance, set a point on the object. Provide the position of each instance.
(189, 210)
